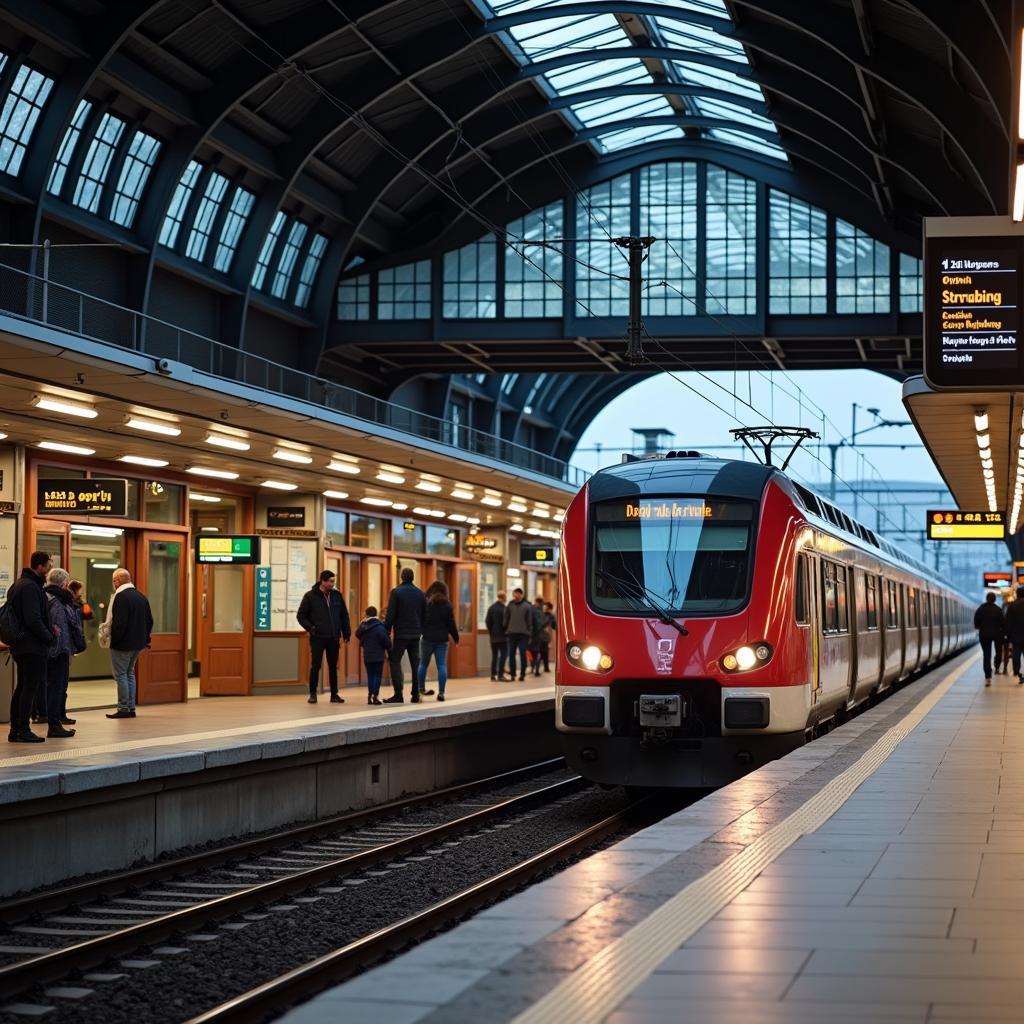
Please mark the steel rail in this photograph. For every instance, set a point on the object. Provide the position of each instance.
(48, 967)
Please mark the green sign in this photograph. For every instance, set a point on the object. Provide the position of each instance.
(225, 550)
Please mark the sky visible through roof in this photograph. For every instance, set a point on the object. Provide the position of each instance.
(712, 61)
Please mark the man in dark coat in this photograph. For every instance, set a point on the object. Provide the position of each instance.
(1015, 630)
(495, 623)
(991, 626)
(323, 615)
(30, 651)
(404, 619)
(130, 621)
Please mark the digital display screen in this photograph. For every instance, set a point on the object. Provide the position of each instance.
(93, 497)
(960, 525)
(997, 580)
(693, 510)
(226, 550)
(971, 311)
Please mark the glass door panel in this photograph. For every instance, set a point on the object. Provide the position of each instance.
(160, 575)
(93, 561)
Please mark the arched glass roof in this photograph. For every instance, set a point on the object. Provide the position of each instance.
(696, 73)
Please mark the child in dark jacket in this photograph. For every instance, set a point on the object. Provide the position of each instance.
(376, 644)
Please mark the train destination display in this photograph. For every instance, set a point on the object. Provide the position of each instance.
(971, 312)
(954, 524)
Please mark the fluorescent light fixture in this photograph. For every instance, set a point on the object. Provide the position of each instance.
(142, 460)
(194, 496)
(438, 513)
(984, 441)
(458, 517)
(462, 494)
(419, 510)
(390, 478)
(399, 506)
(338, 495)
(209, 529)
(103, 565)
(279, 485)
(533, 531)
(3, 436)
(379, 502)
(473, 520)
(1020, 92)
(98, 531)
(987, 464)
(491, 500)
(988, 474)
(516, 506)
(429, 485)
(517, 527)
(71, 449)
(154, 426)
(542, 513)
(63, 405)
(981, 422)
(287, 455)
(560, 514)
(218, 474)
(985, 453)
(224, 441)
(1018, 193)
(342, 467)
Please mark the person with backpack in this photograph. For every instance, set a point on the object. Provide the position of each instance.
(495, 623)
(70, 641)
(438, 625)
(376, 643)
(26, 629)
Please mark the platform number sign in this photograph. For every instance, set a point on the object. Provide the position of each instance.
(263, 580)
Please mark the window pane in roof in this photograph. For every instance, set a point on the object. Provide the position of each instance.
(238, 213)
(267, 250)
(668, 211)
(67, 147)
(21, 111)
(286, 263)
(733, 112)
(700, 39)
(97, 163)
(639, 135)
(310, 266)
(745, 141)
(403, 293)
(179, 201)
(594, 75)
(618, 108)
(135, 170)
(199, 236)
(718, 78)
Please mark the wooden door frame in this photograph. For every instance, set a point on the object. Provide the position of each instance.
(136, 554)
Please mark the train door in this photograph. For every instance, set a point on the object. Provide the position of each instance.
(462, 589)
(160, 559)
(814, 599)
(806, 620)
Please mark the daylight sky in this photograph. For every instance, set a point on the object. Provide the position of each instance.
(791, 399)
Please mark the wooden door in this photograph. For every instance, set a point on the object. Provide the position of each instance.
(225, 636)
(462, 587)
(160, 574)
(352, 591)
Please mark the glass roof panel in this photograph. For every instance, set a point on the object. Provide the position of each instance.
(587, 34)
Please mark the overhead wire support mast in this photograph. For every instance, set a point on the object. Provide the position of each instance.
(636, 248)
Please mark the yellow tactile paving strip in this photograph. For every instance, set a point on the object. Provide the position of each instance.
(607, 979)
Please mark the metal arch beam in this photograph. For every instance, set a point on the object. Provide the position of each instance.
(589, 399)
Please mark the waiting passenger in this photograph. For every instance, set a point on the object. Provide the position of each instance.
(127, 632)
(438, 625)
(404, 619)
(1015, 630)
(85, 612)
(519, 627)
(69, 642)
(323, 615)
(376, 644)
(991, 627)
(495, 623)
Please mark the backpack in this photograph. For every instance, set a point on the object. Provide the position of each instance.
(12, 629)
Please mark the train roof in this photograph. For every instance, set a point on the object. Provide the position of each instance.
(694, 472)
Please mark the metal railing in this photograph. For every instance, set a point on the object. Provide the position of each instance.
(44, 301)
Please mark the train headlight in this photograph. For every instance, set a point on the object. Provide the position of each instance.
(747, 657)
(589, 657)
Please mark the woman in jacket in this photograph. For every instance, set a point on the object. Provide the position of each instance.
(438, 626)
(69, 641)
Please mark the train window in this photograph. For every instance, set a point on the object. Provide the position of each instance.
(842, 610)
(925, 608)
(912, 607)
(802, 612)
(834, 604)
(892, 606)
(871, 599)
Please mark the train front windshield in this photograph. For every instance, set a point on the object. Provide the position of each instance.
(687, 556)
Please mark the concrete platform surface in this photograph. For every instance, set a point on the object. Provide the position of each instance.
(172, 739)
(876, 874)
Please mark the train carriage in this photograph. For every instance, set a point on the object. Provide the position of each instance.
(716, 613)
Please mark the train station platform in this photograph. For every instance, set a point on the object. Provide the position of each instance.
(127, 790)
(875, 874)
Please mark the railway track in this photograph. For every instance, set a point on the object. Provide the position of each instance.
(96, 920)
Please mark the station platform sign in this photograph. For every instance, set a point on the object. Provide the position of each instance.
(957, 524)
(997, 580)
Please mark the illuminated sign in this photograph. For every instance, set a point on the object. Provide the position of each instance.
(1018, 572)
(288, 515)
(698, 510)
(960, 525)
(227, 550)
(478, 542)
(997, 580)
(972, 287)
(82, 497)
(537, 554)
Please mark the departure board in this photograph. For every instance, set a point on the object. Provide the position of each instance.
(972, 325)
(955, 524)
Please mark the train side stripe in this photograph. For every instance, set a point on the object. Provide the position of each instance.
(600, 986)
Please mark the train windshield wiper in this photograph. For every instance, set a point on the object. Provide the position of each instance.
(642, 597)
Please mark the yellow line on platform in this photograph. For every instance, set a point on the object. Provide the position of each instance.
(595, 990)
(314, 724)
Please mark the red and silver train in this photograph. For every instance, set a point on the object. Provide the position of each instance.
(714, 613)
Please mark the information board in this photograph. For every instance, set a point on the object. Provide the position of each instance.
(95, 497)
(997, 580)
(971, 299)
(537, 554)
(224, 550)
(956, 524)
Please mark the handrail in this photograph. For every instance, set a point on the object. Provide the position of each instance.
(45, 301)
